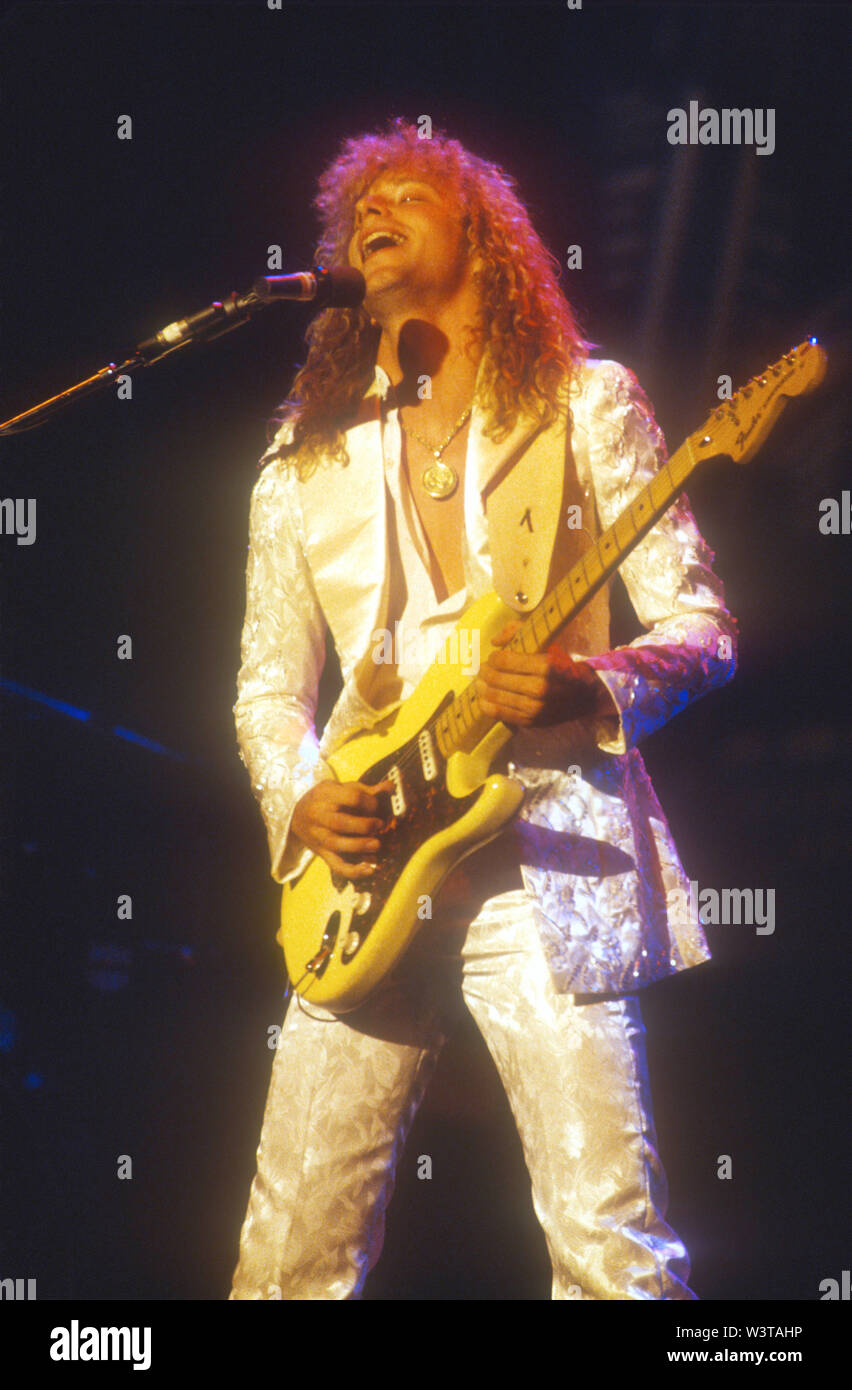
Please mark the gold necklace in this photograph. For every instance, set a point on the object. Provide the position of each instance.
(439, 480)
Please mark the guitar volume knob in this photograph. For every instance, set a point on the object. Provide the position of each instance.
(351, 942)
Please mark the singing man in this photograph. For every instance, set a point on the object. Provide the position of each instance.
(449, 437)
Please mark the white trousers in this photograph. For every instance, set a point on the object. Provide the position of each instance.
(344, 1092)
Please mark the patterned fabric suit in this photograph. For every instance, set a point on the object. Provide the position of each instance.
(548, 963)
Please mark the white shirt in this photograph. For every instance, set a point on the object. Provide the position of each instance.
(419, 622)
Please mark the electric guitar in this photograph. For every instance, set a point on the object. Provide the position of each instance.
(341, 938)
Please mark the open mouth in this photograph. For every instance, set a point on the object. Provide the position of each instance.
(379, 241)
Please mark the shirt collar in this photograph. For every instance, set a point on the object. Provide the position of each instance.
(380, 385)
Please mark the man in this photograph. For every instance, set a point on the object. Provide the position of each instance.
(442, 440)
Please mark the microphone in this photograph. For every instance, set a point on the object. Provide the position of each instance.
(195, 326)
(342, 287)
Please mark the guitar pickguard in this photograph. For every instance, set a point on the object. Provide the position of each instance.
(421, 807)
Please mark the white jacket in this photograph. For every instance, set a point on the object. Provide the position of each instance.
(598, 858)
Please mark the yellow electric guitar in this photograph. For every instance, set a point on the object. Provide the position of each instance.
(341, 938)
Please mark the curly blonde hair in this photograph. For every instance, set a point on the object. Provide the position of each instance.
(529, 334)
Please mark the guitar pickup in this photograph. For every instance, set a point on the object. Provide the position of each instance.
(397, 796)
(428, 761)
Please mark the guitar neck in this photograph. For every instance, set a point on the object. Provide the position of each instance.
(603, 558)
(454, 726)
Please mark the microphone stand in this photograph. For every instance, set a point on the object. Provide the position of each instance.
(341, 287)
(220, 317)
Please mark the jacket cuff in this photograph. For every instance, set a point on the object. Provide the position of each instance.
(650, 681)
(609, 732)
(606, 723)
(288, 856)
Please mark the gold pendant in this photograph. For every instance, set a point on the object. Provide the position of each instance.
(440, 480)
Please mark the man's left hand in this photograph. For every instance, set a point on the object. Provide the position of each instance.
(547, 687)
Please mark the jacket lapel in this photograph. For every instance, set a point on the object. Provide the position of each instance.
(488, 460)
(514, 520)
(344, 517)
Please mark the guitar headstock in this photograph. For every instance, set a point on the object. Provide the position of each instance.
(738, 427)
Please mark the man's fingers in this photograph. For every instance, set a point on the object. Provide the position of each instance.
(345, 844)
(501, 688)
(505, 634)
(386, 786)
(353, 825)
(510, 707)
(533, 686)
(329, 831)
(358, 796)
(340, 866)
(509, 660)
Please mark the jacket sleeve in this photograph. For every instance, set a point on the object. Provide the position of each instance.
(690, 646)
(283, 652)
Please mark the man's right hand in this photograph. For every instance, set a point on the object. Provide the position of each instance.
(342, 818)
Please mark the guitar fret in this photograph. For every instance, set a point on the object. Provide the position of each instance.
(595, 559)
(624, 530)
(658, 491)
(679, 466)
(552, 614)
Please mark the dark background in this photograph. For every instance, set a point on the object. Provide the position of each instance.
(149, 1037)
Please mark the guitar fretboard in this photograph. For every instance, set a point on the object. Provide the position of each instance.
(454, 725)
